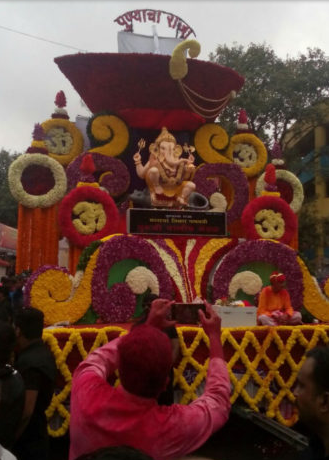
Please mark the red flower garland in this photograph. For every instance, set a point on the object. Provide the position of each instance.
(91, 194)
(276, 204)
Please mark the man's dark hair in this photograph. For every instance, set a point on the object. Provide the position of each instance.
(7, 342)
(320, 356)
(30, 322)
(115, 453)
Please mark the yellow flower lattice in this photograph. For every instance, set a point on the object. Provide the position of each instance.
(254, 387)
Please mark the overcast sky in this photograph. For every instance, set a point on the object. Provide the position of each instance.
(29, 79)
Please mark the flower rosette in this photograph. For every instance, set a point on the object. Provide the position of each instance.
(87, 214)
(277, 254)
(292, 181)
(248, 152)
(205, 184)
(106, 300)
(269, 217)
(63, 140)
(36, 180)
(111, 173)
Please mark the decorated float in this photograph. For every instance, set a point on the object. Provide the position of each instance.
(153, 195)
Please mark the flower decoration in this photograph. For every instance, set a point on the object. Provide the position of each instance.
(269, 217)
(108, 133)
(36, 180)
(50, 290)
(292, 180)
(276, 155)
(314, 300)
(105, 299)
(205, 184)
(277, 254)
(247, 151)
(111, 173)
(210, 140)
(173, 261)
(140, 279)
(218, 202)
(248, 281)
(63, 140)
(94, 212)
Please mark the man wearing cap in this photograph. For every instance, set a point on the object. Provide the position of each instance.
(274, 306)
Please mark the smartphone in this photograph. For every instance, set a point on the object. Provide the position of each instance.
(186, 313)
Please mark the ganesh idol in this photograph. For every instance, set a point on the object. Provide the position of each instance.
(167, 175)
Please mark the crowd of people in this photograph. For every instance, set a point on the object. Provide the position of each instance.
(137, 420)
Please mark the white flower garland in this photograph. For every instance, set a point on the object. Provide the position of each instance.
(248, 281)
(287, 176)
(46, 200)
(140, 279)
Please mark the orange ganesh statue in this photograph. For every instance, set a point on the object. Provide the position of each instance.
(167, 175)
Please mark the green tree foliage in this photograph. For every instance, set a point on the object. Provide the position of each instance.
(8, 205)
(277, 92)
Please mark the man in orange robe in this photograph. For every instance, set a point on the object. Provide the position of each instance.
(274, 306)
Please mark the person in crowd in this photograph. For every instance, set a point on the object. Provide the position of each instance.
(12, 390)
(17, 295)
(37, 366)
(115, 453)
(274, 305)
(312, 401)
(6, 312)
(167, 396)
(102, 415)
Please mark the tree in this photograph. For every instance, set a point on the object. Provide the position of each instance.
(277, 92)
(8, 205)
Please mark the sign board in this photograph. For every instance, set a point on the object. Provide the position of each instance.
(176, 222)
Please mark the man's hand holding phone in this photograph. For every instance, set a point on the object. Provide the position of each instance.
(158, 316)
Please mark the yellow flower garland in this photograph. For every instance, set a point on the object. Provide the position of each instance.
(52, 287)
(71, 130)
(257, 144)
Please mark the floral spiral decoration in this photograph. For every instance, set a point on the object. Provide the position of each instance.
(63, 140)
(178, 68)
(205, 184)
(51, 290)
(111, 173)
(277, 254)
(248, 281)
(269, 217)
(36, 180)
(87, 214)
(210, 141)
(289, 178)
(108, 133)
(248, 152)
(117, 303)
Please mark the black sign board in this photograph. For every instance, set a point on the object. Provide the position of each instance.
(176, 222)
